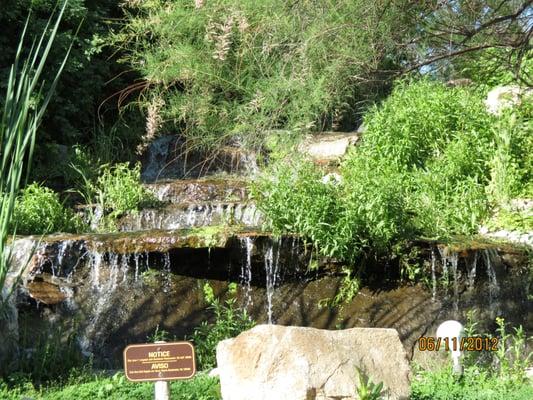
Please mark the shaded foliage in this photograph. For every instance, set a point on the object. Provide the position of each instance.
(72, 115)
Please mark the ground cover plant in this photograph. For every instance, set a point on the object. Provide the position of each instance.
(229, 322)
(487, 376)
(39, 210)
(117, 387)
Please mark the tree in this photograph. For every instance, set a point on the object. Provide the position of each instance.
(491, 37)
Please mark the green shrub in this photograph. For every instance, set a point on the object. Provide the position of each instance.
(423, 168)
(229, 322)
(88, 71)
(38, 210)
(118, 189)
(476, 384)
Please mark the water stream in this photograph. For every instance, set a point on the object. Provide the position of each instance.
(433, 274)
(272, 273)
(490, 256)
(246, 271)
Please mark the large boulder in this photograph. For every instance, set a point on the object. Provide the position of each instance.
(295, 363)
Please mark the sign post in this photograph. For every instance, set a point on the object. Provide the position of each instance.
(159, 362)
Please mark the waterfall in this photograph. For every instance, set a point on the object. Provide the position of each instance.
(136, 261)
(272, 273)
(167, 272)
(104, 287)
(433, 275)
(60, 256)
(246, 270)
(191, 216)
(445, 271)
(449, 267)
(95, 260)
(157, 158)
(472, 271)
(490, 256)
(454, 259)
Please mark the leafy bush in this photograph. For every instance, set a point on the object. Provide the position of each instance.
(235, 69)
(229, 322)
(38, 210)
(118, 189)
(423, 167)
(82, 88)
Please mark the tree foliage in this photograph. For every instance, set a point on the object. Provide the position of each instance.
(235, 69)
(487, 40)
(72, 113)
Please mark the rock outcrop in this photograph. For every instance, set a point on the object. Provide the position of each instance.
(295, 363)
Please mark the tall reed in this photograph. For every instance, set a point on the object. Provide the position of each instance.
(26, 100)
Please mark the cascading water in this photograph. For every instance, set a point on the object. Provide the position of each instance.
(95, 260)
(157, 158)
(454, 259)
(272, 273)
(247, 244)
(490, 256)
(433, 274)
(472, 270)
(167, 272)
(103, 291)
(60, 256)
(449, 262)
(445, 270)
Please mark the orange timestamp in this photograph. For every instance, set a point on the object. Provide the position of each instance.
(468, 343)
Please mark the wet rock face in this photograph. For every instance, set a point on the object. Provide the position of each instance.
(192, 216)
(169, 158)
(295, 363)
(199, 191)
(120, 287)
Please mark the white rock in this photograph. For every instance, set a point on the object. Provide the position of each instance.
(331, 178)
(328, 147)
(502, 97)
(294, 363)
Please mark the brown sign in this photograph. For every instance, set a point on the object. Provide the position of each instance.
(159, 361)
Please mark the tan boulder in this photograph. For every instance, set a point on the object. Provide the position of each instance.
(327, 147)
(295, 363)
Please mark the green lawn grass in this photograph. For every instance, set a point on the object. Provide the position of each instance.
(202, 387)
(475, 384)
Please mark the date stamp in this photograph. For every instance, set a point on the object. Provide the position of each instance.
(468, 343)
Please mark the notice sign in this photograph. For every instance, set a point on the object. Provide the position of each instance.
(159, 361)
